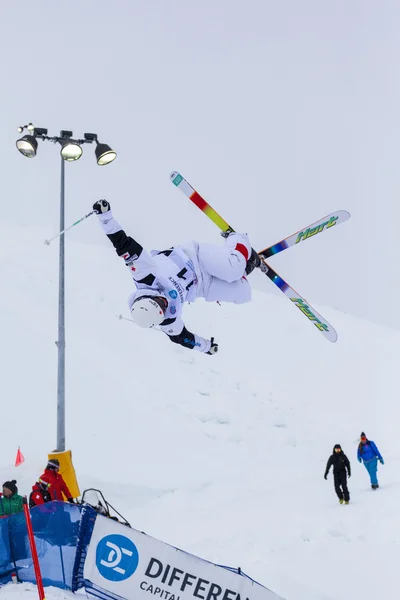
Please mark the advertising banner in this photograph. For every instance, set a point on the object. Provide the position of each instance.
(125, 563)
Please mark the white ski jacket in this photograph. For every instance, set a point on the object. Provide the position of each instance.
(176, 274)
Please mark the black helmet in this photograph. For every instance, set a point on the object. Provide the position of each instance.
(53, 463)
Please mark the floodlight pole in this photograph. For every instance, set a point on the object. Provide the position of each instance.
(104, 155)
(61, 323)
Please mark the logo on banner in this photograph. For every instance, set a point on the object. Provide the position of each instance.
(117, 557)
(173, 294)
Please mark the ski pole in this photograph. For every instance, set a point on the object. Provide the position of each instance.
(120, 317)
(47, 242)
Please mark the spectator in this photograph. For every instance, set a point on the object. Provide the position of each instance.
(56, 484)
(340, 464)
(10, 501)
(39, 494)
(369, 454)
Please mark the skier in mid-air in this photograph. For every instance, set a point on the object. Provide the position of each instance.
(166, 279)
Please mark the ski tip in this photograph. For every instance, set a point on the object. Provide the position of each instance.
(326, 329)
(331, 335)
(343, 214)
(176, 178)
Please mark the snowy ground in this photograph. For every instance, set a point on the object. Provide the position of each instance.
(27, 591)
(221, 456)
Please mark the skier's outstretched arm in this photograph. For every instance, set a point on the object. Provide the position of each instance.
(177, 333)
(328, 466)
(140, 263)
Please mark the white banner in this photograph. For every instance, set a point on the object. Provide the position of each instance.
(125, 563)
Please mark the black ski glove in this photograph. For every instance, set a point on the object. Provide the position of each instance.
(325, 476)
(101, 206)
(71, 500)
(213, 348)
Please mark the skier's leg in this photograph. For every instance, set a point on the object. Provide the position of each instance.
(226, 262)
(366, 465)
(345, 489)
(372, 467)
(374, 471)
(338, 489)
(237, 292)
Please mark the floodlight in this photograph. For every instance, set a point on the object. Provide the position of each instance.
(71, 151)
(27, 145)
(104, 154)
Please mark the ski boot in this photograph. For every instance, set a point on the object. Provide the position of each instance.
(347, 501)
(253, 262)
(341, 501)
(374, 486)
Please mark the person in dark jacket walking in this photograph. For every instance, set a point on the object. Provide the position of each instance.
(341, 468)
(10, 501)
(368, 453)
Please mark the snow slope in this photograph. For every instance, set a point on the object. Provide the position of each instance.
(221, 456)
(27, 591)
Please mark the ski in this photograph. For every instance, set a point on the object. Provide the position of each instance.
(312, 315)
(195, 197)
(327, 330)
(324, 224)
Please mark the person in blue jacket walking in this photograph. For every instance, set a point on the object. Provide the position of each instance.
(369, 454)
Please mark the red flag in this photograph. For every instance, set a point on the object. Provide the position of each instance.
(19, 458)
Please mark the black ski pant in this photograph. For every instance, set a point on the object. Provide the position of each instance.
(340, 481)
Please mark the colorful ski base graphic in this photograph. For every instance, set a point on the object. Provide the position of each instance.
(323, 224)
(312, 315)
(195, 197)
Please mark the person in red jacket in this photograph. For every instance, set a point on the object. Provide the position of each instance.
(56, 485)
(39, 494)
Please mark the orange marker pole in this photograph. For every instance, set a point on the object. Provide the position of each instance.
(35, 558)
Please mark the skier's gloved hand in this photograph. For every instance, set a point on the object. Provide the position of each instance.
(349, 474)
(381, 461)
(213, 348)
(359, 460)
(325, 476)
(71, 500)
(101, 206)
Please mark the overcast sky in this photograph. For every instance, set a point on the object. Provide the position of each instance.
(277, 112)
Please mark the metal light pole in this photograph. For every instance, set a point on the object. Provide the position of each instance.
(61, 323)
(70, 151)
